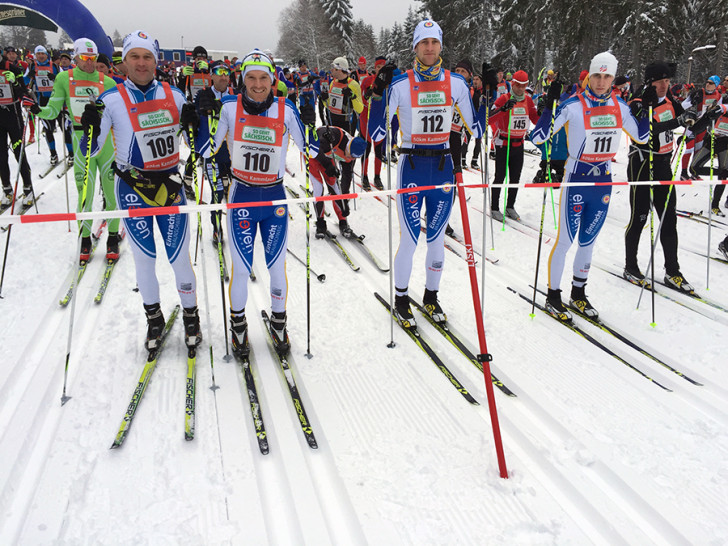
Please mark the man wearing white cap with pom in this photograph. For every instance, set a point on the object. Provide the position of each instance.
(425, 99)
(594, 120)
(145, 116)
(75, 88)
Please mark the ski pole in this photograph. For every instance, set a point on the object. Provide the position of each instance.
(12, 210)
(484, 181)
(319, 278)
(543, 209)
(193, 156)
(653, 239)
(308, 249)
(388, 145)
(212, 124)
(710, 206)
(508, 160)
(87, 167)
(65, 166)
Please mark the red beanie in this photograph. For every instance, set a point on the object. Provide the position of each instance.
(520, 77)
(362, 60)
(583, 75)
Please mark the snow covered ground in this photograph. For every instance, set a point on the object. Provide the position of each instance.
(596, 452)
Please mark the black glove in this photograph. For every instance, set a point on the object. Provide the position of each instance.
(696, 97)
(324, 95)
(346, 93)
(510, 103)
(188, 117)
(490, 77)
(308, 114)
(91, 118)
(649, 97)
(383, 79)
(331, 170)
(368, 93)
(209, 104)
(51, 76)
(688, 118)
(554, 94)
(35, 108)
(714, 112)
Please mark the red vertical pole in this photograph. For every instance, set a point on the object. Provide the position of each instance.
(484, 357)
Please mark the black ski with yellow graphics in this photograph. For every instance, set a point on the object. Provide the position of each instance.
(453, 338)
(429, 351)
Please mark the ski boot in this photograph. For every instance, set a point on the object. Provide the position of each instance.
(403, 312)
(723, 248)
(28, 197)
(378, 182)
(345, 230)
(580, 303)
(474, 165)
(432, 306)
(85, 249)
(635, 276)
(69, 160)
(155, 326)
(191, 321)
(555, 307)
(239, 331)
(365, 183)
(511, 213)
(717, 212)
(679, 283)
(320, 228)
(112, 247)
(496, 215)
(449, 231)
(279, 332)
(7, 198)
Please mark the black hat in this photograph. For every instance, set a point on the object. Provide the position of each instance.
(621, 80)
(658, 70)
(302, 62)
(103, 59)
(199, 51)
(466, 64)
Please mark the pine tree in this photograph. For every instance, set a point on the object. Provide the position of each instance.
(341, 22)
(116, 39)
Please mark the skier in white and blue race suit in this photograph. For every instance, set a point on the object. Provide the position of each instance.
(424, 98)
(256, 126)
(145, 116)
(594, 120)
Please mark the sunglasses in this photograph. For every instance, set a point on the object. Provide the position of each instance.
(221, 71)
(87, 57)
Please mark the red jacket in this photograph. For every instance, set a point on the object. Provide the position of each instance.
(499, 121)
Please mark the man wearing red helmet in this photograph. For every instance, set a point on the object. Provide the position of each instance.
(510, 119)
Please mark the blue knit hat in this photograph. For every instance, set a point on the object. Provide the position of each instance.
(357, 147)
(715, 80)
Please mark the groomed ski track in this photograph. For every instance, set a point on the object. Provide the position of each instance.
(596, 453)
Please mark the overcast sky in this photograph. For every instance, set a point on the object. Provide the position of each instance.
(238, 25)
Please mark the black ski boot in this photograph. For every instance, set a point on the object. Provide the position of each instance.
(320, 228)
(403, 312)
(365, 183)
(555, 307)
(345, 230)
(155, 326)
(191, 321)
(280, 333)
(378, 182)
(432, 306)
(239, 331)
(112, 247)
(85, 249)
(580, 303)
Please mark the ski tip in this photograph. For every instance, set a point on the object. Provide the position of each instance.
(64, 399)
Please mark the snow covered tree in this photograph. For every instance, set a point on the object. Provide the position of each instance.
(341, 23)
(305, 34)
(117, 39)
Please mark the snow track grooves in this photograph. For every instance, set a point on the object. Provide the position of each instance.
(321, 511)
(32, 407)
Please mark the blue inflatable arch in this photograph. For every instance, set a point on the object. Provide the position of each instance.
(69, 15)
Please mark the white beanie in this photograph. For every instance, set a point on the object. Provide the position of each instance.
(603, 63)
(40, 49)
(426, 29)
(258, 60)
(84, 46)
(139, 39)
(341, 63)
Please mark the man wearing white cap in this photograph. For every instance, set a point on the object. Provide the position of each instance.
(75, 88)
(425, 97)
(39, 77)
(594, 121)
(256, 126)
(145, 116)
